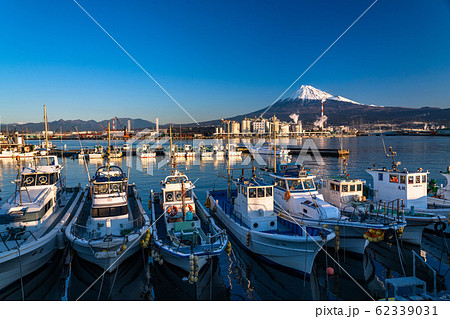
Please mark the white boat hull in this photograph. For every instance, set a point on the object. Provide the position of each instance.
(32, 257)
(182, 262)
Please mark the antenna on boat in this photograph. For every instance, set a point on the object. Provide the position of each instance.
(46, 131)
(84, 160)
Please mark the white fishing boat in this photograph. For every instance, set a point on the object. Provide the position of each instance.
(145, 151)
(126, 147)
(184, 234)
(231, 150)
(269, 150)
(115, 152)
(248, 215)
(109, 220)
(206, 152)
(440, 198)
(219, 150)
(97, 153)
(189, 150)
(406, 192)
(296, 196)
(32, 219)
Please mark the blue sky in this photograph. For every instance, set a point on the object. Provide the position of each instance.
(217, 58)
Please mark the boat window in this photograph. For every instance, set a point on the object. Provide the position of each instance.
(309, 184)
(359, 187)
(279, 183)
(402, 179)
(252, 192)
(352, 187)
(109, 211)
(393, 178)
(101, 189)
(295, 185)
(268, 191)
(380, 176)
(344, 188)
(42, 179)
(335, 187)
(188, 194)
(169, 196)
(418, 179)
(28, 180)
(410, 179)
(424, 178)
(115, 187)
(260, 192)
(178, 195)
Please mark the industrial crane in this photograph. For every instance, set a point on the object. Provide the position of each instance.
(126, 135)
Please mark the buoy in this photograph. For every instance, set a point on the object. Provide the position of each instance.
(330, 271)
(191, 256)
(123, 247)
(248, 239)
(208, 203)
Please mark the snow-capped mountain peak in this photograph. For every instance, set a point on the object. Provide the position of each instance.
(307, 93)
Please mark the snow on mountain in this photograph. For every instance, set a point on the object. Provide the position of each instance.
(307, 93)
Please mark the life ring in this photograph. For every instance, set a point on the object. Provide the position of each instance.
(389, 236)
(287, 195)
(188, 208)
(172, 210)
(440, 226)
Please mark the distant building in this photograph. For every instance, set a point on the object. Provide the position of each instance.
(235, 127)
(259, 127)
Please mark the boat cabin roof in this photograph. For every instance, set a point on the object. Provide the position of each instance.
(292, 171)
(111, 173)
(252, 183)
(42, 164)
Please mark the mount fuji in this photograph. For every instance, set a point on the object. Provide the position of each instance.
(306, 103)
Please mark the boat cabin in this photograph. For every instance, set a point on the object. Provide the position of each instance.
(43, 171)
(294, 178)
(338, 190)
(253, 205)
(178, 202)
(411, 187)
(109, 191)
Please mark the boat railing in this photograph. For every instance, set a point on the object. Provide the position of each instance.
(228, 209)
(416, 255)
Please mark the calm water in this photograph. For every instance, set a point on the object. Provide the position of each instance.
(240, 276)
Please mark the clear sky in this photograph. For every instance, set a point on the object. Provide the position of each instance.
(217, 58)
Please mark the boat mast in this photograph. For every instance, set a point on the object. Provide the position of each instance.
(274, 147)
(228, 161)
(46, 127)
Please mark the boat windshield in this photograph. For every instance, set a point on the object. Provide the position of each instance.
(301, 184)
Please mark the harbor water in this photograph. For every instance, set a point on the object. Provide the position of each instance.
(239, 275)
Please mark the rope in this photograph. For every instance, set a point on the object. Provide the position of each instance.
(21, 276)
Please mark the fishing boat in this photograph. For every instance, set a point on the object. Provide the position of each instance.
(32, 219)
(115, 152)
(248, 214)
(404, 192)
(97, 153)
(205, 152)
(219, 150)
(270, 150)
(188, 150)
(146, 152)
(184, 234)
(296, 196)
(109, 220)
(440, 197)
(231, 150)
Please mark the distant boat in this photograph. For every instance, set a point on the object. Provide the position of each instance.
(269, 150)
(146, 152)
(96, 153)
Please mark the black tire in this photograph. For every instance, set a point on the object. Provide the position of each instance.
(440, 227)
